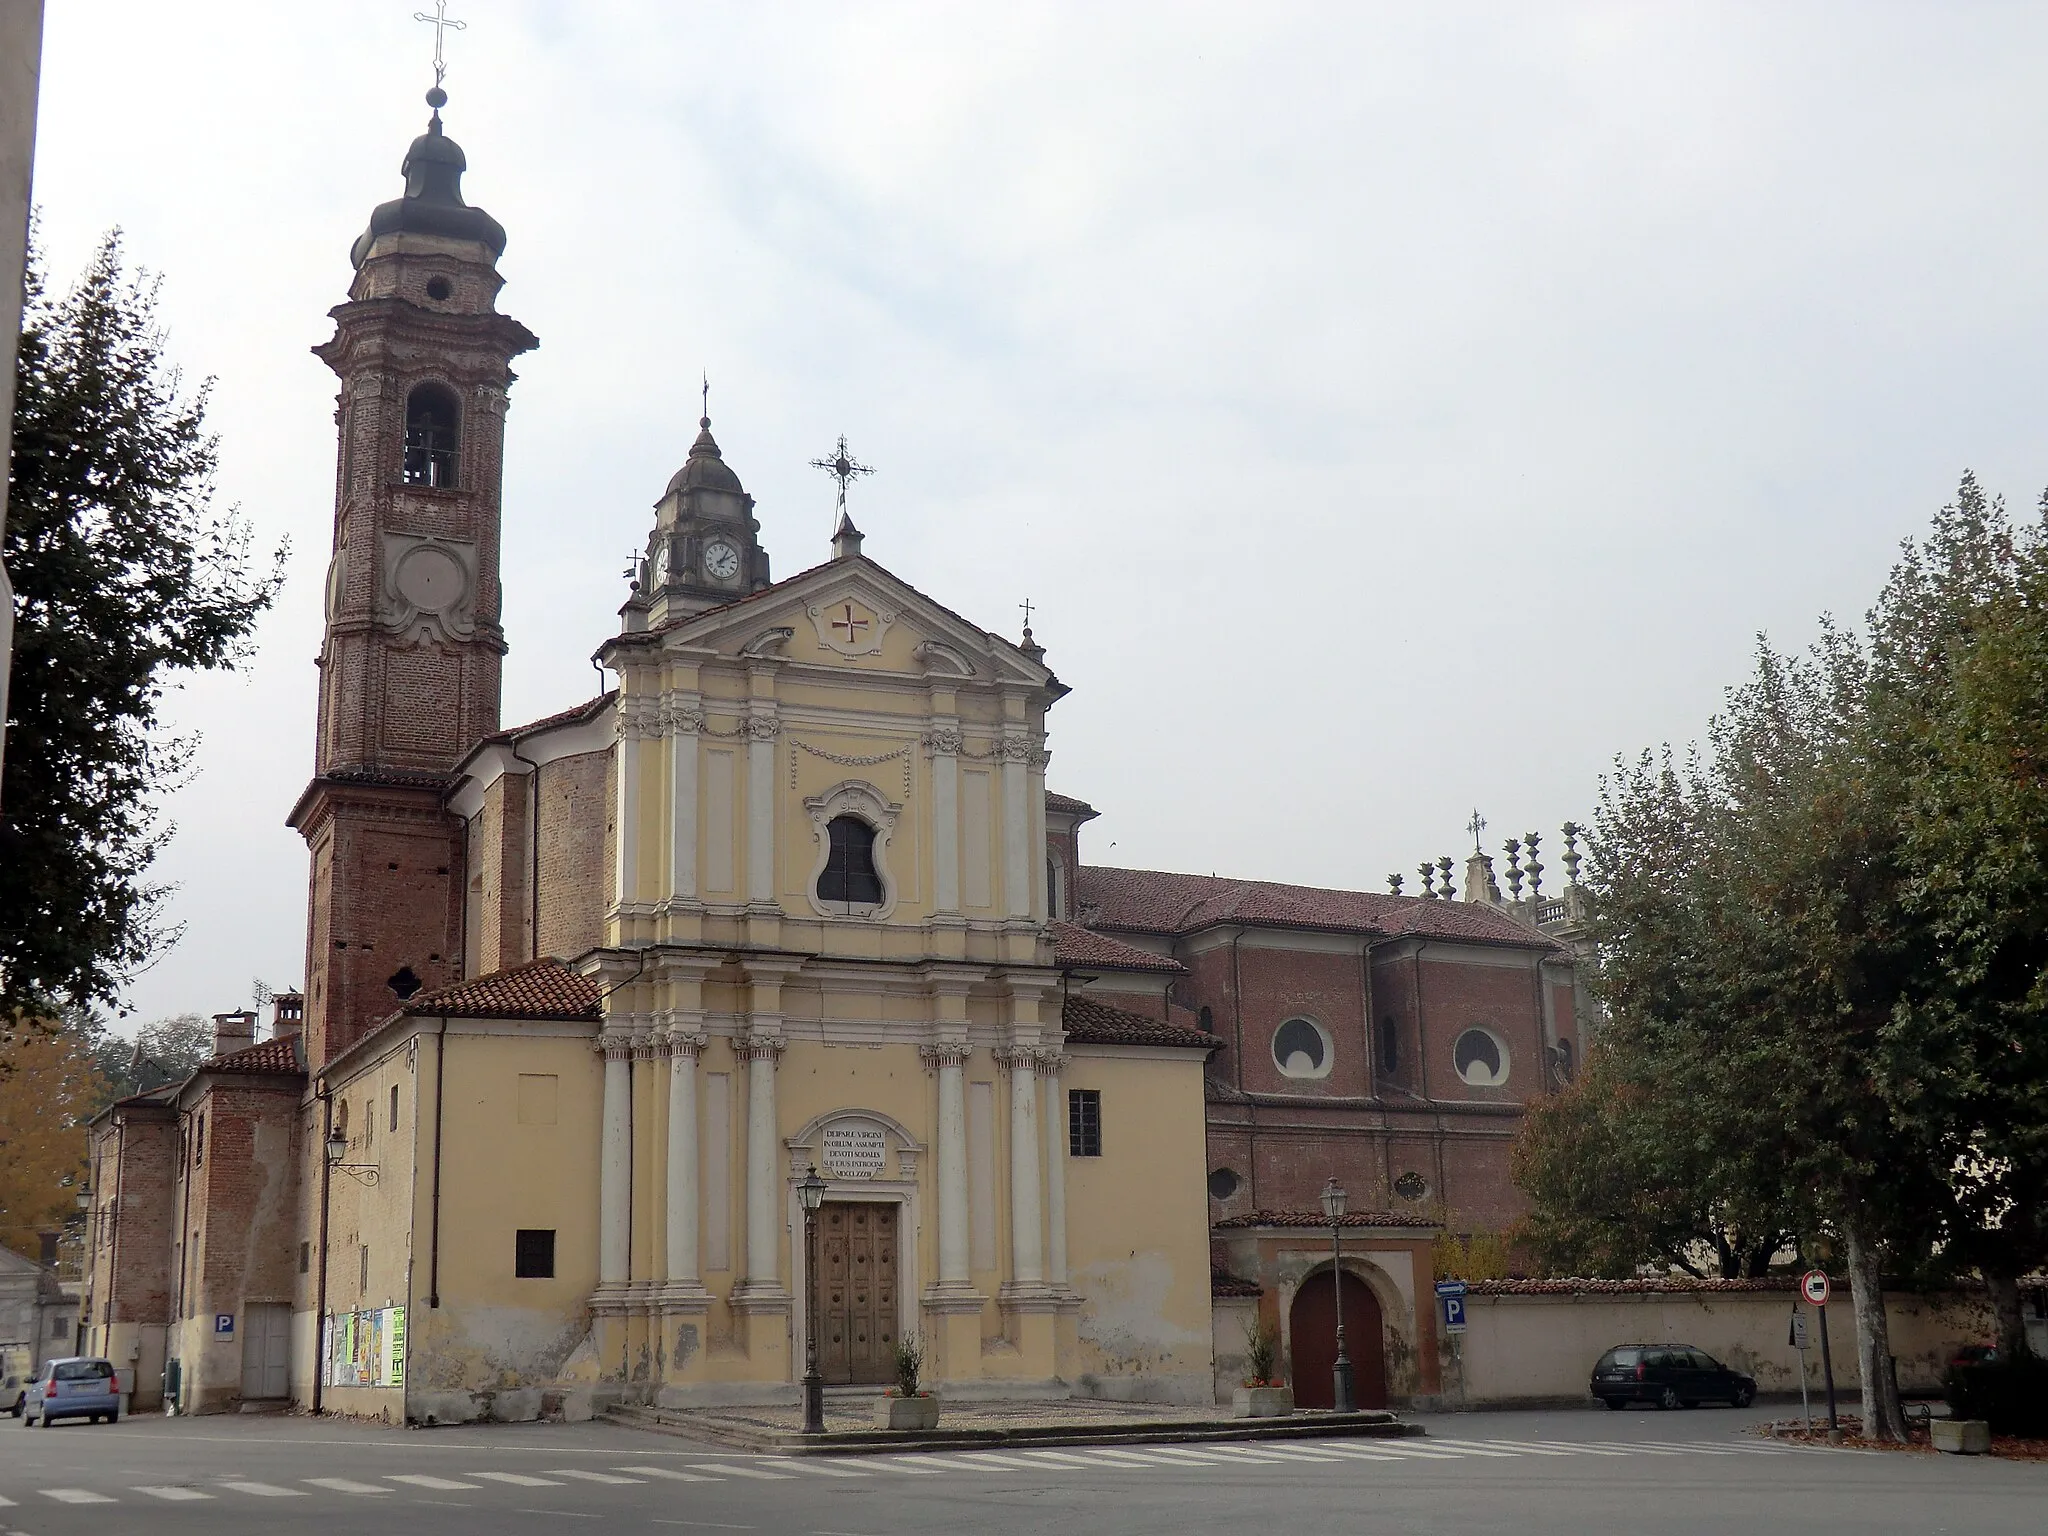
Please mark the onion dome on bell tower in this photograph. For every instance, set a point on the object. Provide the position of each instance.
(705, 549)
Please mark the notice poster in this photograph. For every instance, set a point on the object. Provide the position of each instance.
(392, 1372)
(368, 1352)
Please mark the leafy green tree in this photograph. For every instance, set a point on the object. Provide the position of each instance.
(163, 1051)
(125, 575)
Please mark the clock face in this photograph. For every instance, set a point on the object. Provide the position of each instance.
(661, 566)
(721, 560)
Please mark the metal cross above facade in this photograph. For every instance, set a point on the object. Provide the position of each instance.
(843, 467)
(442, 25)
(1476, 826)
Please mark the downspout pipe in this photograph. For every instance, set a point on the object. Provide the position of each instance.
(320, 1291)
(533, 855)
(434, 1219)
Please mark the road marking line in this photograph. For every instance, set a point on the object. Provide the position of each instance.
(821, 1469)
(1349, 1454)
(265, 1490)
(1192, 1458)
(707, 1525)
(1519, 1447)
(75, 1496)
(588, 1477)
(1579, 1448)
(1697, 1450)
(732, 1471)
(1409, 1453)
(1631, 1448)
(668, 1472)
(1243, 1453)
(1470, 1448)
(6, 1502)
(997, 1459)
(521, 1480)
(1059, 1458)
(347, 1485)
(424, 1480)
(172, 1494)
(909, 1464)
(1103, 1455)
(949, 1464)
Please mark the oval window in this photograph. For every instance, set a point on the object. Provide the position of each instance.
(1222, 1184)
(1481, 1058)
(1411, 1185)
(1301, 1049)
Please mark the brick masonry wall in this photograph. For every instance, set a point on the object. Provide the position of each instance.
(136, 1167)
(577, 838)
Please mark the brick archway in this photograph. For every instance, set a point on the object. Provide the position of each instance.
(1312, 1341)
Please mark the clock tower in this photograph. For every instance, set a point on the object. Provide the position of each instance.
(706, 546)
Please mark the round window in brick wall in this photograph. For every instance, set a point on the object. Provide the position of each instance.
(1302, 1049)
(1223, 1184)
(1481, 1058)
(1411, 1185)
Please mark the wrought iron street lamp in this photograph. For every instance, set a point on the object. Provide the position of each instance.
(1335, 1202)
(810, 1190)
(337, 1149)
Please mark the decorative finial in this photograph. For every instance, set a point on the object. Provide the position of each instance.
(1535, 867)
(1514, 850)
(844, 468)
(1476, 826)
(1394, 884)
(438, 98)
(1026, 606)
(1571, 852)
(632, 570)
(1428, 872)
(1445, 865)
(705, 419)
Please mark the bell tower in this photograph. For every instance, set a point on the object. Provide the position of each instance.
(409, 663)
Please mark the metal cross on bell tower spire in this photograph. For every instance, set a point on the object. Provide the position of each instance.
(442, 25)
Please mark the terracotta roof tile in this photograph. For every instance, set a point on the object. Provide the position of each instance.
(265, 1056)
(540, 989)
(1221, 1284)
(575, 714)
(1067, 805)
(1318, 1219)
(1076, 948)
(1163, 901)
(1088, 1022)
(1675, 1285)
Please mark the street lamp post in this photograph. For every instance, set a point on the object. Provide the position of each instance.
(810, 1190)
(1334, 1203)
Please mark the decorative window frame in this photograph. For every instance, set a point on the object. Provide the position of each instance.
(1329, 1050)
(1507, 1063)
(864, 802)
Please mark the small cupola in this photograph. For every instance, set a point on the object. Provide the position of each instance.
(432, 205)
(705, 549)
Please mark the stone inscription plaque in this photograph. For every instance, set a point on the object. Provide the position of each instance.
(854, 1151)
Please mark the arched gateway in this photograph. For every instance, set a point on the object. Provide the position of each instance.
(1312, 1342)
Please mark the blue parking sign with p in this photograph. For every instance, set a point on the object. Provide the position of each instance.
(1454, 1314)
(223, 1325)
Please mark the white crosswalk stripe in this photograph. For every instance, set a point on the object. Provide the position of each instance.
(822, 1468)
(346, 1485)
(589, 1477)
(736, 1471)
(265, 1490)
(996, 1459)
(668, 1472)
(76, 1496)
(424, 1480)
(520, 1479)
(172, 1494)
(5, 1502)
(1058, 1458)
(910, 1464)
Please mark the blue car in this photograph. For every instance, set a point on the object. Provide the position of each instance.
(78, 1387)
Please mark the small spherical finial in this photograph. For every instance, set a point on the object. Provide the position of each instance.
(437, 98)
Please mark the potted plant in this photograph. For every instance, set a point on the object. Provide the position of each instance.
(1262, 1395)
(909, 1404)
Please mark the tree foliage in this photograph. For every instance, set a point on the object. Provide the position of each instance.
(1823, 945)
(126, 575)
(51, 1088)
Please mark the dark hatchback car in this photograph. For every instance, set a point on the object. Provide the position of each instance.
(1669, 1375)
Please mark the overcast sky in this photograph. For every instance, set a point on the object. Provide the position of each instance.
(1388, 409)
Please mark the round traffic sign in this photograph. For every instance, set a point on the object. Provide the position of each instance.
(1813, 1285)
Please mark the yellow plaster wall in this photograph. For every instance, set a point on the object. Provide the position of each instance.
(1137, 1224)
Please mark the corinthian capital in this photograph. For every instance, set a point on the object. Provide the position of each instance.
(947, 1053)
(1051, 1063)
(758, 1047)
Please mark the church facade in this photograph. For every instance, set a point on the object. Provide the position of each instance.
(587, 998)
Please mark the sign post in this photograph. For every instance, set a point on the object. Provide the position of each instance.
(1798, 1339)
(1450, 1296)
(1813, 1285)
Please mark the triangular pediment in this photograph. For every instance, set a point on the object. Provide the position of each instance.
(860, 615)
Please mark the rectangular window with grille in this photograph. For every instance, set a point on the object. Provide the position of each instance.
(533, 1253)
(1084, 1122)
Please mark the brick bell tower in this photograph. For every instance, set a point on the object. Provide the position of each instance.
(409, 664)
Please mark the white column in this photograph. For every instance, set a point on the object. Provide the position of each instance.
(950, 1058)
(764, 1188)
(1017, 859)
(1049, 1064)
(945, 743)
(761, 808)
(686, 720)
(626, 867)
(615, 1166)
(682, 1159)
(1027, 1261)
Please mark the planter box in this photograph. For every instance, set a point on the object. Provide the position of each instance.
(1262, 1402)
(1961, 1437)
(907, 1413)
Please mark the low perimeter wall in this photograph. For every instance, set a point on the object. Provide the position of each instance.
(1536, 1341)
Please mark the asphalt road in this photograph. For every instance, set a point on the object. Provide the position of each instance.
(1523, 1473)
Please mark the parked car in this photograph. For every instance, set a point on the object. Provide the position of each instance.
(1669, 1375)
(13, 1389)
(76, 1387)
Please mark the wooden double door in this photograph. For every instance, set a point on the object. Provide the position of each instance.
(1312, 1330)
(857, 1298)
